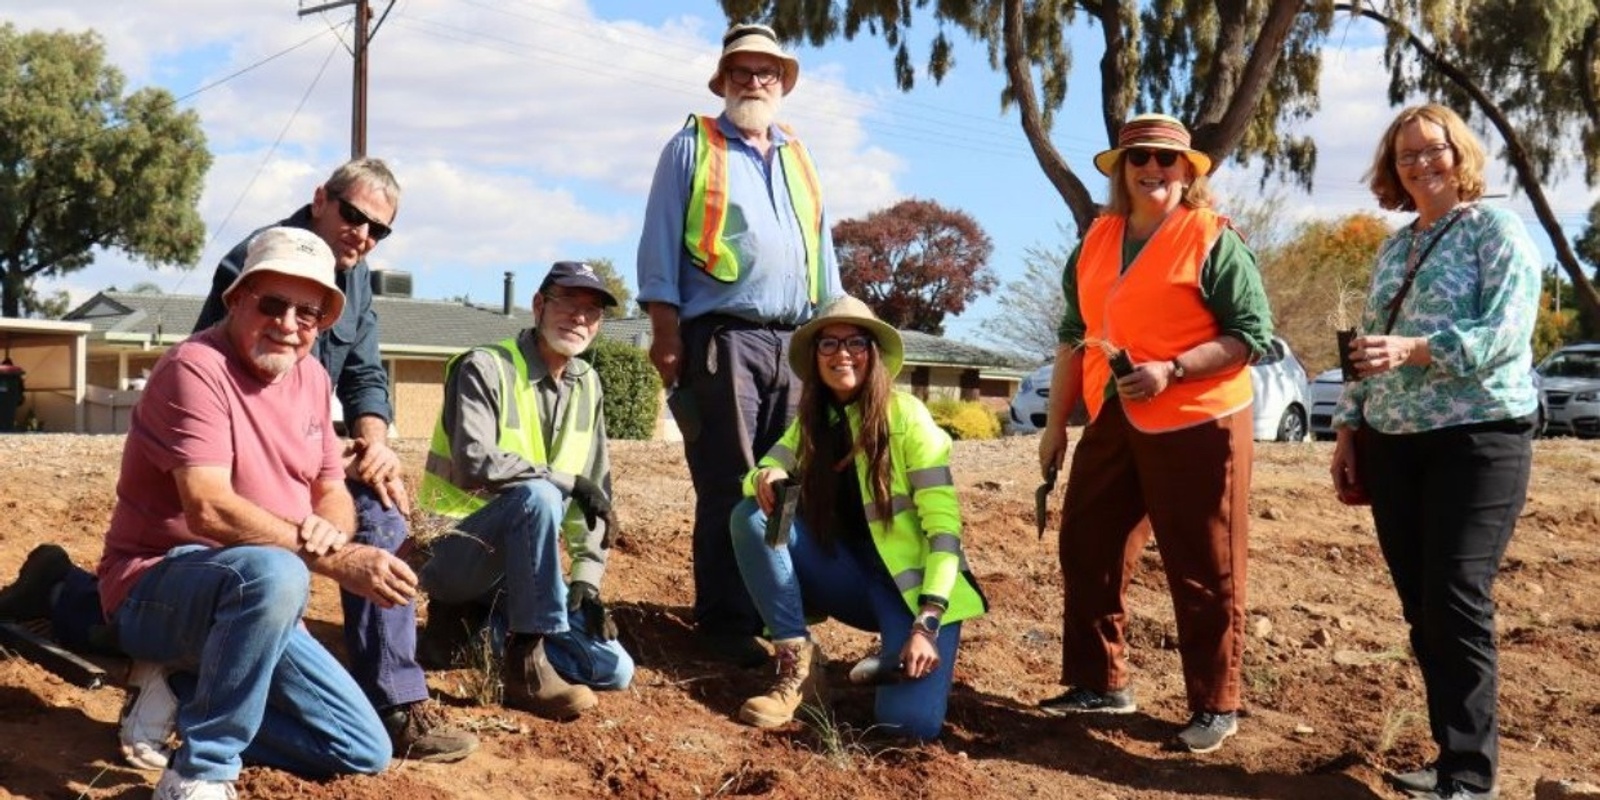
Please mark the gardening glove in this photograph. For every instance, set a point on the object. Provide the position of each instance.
(584, 597)
(592, 499)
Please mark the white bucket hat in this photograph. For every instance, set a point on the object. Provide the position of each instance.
(754, 39)
(297, 253)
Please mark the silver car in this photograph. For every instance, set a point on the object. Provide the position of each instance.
(1328, 385)
(1571, 390)
(1278, 379)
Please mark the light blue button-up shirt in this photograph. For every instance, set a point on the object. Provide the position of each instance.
(762, 228)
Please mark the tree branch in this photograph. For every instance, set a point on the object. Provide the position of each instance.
(1019, 73)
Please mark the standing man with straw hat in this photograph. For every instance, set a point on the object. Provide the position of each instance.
(735, 254)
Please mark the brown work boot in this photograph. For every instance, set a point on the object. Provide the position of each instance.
(800, 664)
(418, 732)
(532, 685)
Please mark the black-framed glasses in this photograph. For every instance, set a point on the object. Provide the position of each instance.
(356, 217)
(766, 76)
(1140, 156)
(573, 307)
(854, 345)
(1431, 153)
(273, 306)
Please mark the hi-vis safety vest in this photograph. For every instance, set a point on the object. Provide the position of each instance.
(1154, 309)
(707, 213)
(521, 432)
(921, 544)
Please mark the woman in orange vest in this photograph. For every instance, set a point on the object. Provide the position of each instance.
(1164, 313)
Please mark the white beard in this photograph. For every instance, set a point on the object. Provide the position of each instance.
(751, 114)
(275, 364)
(566, 347)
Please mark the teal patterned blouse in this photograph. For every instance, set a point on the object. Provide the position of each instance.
(1475, 299)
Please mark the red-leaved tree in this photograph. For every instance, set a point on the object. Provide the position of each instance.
(915, 263)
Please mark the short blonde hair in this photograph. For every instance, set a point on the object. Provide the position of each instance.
(1383, 177)
(1196, 195)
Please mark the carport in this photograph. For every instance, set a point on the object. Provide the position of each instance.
(51, 356)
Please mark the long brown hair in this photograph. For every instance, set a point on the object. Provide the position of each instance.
(819, 466)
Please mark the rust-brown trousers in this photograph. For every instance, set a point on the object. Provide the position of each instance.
(1194, 486)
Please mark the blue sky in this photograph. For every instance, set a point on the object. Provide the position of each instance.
(526, 131)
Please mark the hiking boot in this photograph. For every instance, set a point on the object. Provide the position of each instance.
(149, 717)
(532, 685)
(1451, 790)
(739, 649)
(28, 597)
(1206, 731)
(176, 787)
(419, 732)
(874, 671)
(800, 664)
(1416, 781)
(1079, 700)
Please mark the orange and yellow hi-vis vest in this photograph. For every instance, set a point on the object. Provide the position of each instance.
(1155, 311)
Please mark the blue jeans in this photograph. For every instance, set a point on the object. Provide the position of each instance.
(262, 689)
(850, 584)
(508, 555)
(381, 642)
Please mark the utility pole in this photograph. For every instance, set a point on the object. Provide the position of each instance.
(364, 30)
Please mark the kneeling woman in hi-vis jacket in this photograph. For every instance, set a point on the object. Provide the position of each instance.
(876, 540)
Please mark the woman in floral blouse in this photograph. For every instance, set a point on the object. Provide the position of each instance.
(1443, 415)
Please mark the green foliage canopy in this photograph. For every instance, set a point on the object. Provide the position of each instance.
(82, 166)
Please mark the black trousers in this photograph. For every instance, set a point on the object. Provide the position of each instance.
(1445, 503)
(743, 395)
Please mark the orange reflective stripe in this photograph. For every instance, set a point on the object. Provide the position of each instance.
(716, 193)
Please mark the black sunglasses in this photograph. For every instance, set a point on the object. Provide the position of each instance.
(854, 345)
(356, 217)
(273, 306)
(1164, 158)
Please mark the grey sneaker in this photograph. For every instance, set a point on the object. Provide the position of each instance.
(1416, 781)
(173, 786)
(1206, 731)
(1079, 700)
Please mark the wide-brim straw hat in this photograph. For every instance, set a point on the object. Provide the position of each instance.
(297, 253)
(845, 310)
(1152, 132)
(754, 39)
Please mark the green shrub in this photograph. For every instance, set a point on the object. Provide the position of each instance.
(964, 419)
(632, 388)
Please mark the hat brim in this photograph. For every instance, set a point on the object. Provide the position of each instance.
(764, 46)
(1106, 160)
(802, 345)
(291, 269)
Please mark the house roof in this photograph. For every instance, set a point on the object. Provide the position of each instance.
(412, 327)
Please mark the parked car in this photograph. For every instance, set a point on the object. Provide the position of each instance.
(1571, 390)
(1327, 387)
(1278, 379)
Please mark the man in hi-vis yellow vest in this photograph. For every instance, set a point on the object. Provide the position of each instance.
(735, 254)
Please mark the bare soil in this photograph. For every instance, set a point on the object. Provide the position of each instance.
(1333, 698)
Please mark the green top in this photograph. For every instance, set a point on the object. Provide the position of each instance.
(1230, 285)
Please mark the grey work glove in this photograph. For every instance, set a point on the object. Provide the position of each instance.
(583, 597)
(592, 499)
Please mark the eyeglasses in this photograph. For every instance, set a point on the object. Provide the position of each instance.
(854, 345)
(1141, 157)
(273, 306)
(572, 307)
(1429, 154)
(766, 76)
(356, 217)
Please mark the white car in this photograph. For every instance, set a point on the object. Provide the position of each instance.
(1278, 379)
(1571, 390)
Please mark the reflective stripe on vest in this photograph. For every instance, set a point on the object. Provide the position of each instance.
(706, 216)
(1155, 310)
(521, 432)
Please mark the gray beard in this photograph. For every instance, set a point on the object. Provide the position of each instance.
(751, 115)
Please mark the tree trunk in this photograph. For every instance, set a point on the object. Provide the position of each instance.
(1019, 73)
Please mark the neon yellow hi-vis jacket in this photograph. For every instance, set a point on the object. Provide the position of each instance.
(922, 548)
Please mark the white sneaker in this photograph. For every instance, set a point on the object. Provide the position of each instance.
(176, 787)
(149, 718)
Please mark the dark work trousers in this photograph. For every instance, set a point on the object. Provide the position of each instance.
(381, 642)
(744, 396)
(1445, 503)
(1191, 487)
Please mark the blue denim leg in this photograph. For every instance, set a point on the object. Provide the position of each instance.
(381, 642)
(514, 542)
(850, 584)
(581, 658)
(232, 617)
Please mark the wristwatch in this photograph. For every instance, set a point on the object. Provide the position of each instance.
(926, 624)
(1178, 371)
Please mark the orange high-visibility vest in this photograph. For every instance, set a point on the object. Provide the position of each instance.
(1155, 311)
(707, 213)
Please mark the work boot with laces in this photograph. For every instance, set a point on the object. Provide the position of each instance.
(418, 732)
(800, 664)
(533, 685)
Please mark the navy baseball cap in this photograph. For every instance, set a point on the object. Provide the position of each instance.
(577, 275)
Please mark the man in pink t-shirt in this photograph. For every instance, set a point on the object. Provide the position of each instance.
(231, 494)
